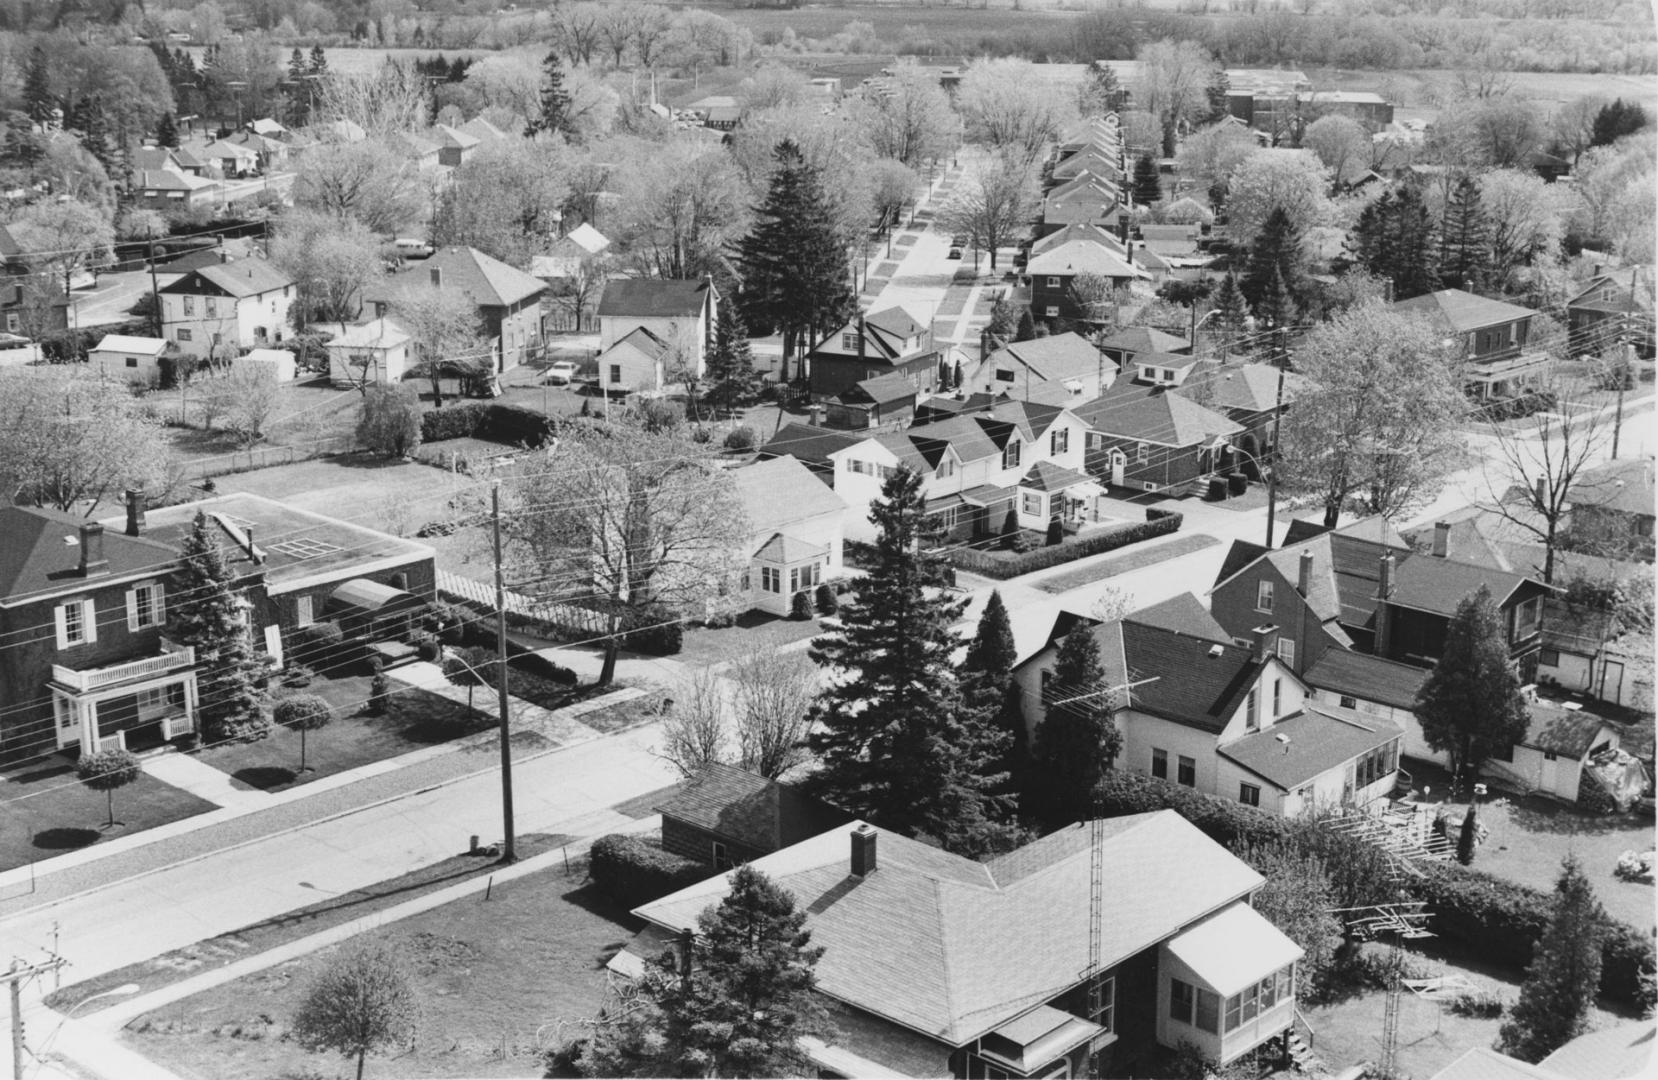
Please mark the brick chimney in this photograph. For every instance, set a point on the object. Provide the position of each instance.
(1266, 642)
(1441, 539)
(1384, 582)
(1540, 491)
(1384, 615)
(135, 511)
(863, 851)
(93, 562)
(1304, 579)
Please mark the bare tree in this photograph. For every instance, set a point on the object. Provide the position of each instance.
(774, 692)
(367, 181)
(695, 735)
(331, 259)
(1174, 78)
(447, 334)
(68, 437)
(992, 203)
(1573, 124)
(576, 30)
(244, 397)
(618, 25)
(1008, 107)
(387, 101)
(909, 118)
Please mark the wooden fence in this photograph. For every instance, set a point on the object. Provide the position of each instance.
(566, 619)
(261, 457)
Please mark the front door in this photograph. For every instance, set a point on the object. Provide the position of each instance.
(1119, 462)
(1611, 682)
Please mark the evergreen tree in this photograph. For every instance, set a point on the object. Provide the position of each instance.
(1220, 85)
(1463, 250)
(987, 682)
(166, 131)
(1278, 311)
(730, 363)
(1231, 309)
(1078, 739)
(1147, 190)
(1276, 250)
(796, 276)
(1471, 706)
(38, 101)
(90, 122)
(742, 1010)
(319, 61)
(1027, 326)
(1468, 839)
(1105, 92)
(1393, 239)
(898, 742)
(555, 100)
(205, 610)
(1564, 976)
(1616, 120)
(297, 68)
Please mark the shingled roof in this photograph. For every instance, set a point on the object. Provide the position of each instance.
(748, 809)
(1152, 414)
(653, 298)
(1298, 748)
(1459, 311)
(40, 553)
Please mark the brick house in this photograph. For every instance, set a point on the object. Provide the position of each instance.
(508, 300)
(1053, 270)
(936, 965)
(1147, 437)
(727, 816)
(1491, 337)
(889, 342)
(1249, 395)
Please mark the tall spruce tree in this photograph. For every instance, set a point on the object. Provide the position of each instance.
(898, 742)
(1394, 240)
(204, 610)
(1464, 248)
(1231, 309)
(555, 100)
(1147, 189)
(1471, 706)
(1277, 249)
(1105, 92)
(319, 61)
(1564, 976)
(1277, 310)
(38, 100)
(796, 278)
(730, 363)
(987, 682)
(1616, 120)
(166, 131)
(1078, 739)
(92, 123)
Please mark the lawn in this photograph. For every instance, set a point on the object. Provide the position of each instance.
(753, 631)
(413, 719)
(1254, 498)
(1134, 559)
(47, 811)
(495, 981)
(395, 496)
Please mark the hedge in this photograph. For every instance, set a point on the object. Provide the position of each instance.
(633, 872)
(542, 667)
(1009, 566)
(1489, 917)
(509, 425)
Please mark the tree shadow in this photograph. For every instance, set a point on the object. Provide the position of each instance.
(1534, 815)
(265, 777)
(65, 838)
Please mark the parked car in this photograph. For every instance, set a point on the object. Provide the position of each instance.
(955, 252)
(561, 373)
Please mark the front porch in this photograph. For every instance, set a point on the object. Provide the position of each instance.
(1504, 376)
(137, 705)
(783, 567)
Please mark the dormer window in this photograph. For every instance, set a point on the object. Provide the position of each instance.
(849, 341)
(1010, 455)
(946, 467)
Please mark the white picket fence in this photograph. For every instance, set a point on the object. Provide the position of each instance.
(479, 595)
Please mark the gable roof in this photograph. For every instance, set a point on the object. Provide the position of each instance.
(37, 555)
(173, 180)
(1619, 1052)
(1622, 486)
(1081, 257)
(126, 343)
(1567, 732)
(1145, 339)
(242, 278)
(381, 333)
(1461, 311)
(749, 809)
(1199, 682)
(483, 130)
(653, 298)
(1482, 1063)
(489, 281)
(641, 340)
(881, 390)
(1367, 678)
(1077, 230)
(1058, 357)
(1151, 414)
(1046, 476)
(807, 443)
(895, 321)
(760, 485)
(455, 138)
(1245, 387)
(953, 948)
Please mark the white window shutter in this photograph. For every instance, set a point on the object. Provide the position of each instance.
(132, 611)
(158, 594)
(89, 613)
(60, 617)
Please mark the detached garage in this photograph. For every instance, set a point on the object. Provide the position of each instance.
(1562, 737)
(133, 359)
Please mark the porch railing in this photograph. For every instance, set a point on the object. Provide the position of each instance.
(171, 658)
(1302, 1028)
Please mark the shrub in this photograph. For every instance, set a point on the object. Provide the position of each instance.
(1155, 513)
(1056, 533)
(700, 435)
(1523, 405)
(320, 643)
(1002, 566)
(827, 602)
(426, 647)
(452, 422)
(379, 692)
(657, 631)
(1217, 489)
(1228, 823)
(633, 872)
(544, 668)
(740, 438)
(801, 606)
(516, 425)
(297, 676)
(301, 711)
(1010, 528)
(1237, 483)
(1479, 1004)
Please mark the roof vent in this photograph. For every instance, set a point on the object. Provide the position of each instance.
(1215, 651)
(1574, 706)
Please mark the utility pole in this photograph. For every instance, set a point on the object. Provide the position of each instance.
(509, 851)
(14, 977)
(155, 290)
(1272, 477)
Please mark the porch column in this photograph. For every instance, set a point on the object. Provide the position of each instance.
(190, 701)
(89, 726)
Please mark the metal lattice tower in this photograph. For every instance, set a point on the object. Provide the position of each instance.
(1390, 1014)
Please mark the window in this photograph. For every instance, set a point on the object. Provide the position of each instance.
(1059, 441)
(1053, 311)
(1208, 1011)
(1010, 454)
(722, 858)
(1249, 794)
(132, 361)
(11, 322)
(302, 611)
(1252, 719)
(1004, 374)
(211, 303)
(948, 518)
(77, 623)
(1188, 771)
(1277, 698)
(1257, 999)
(771, 579)
(1550, 755)
(189, 306)
(849, 341)
(1349, 702)
(1286, 651)
(1159, 763)
(1053, 283)
(1503, 753)
(1108, 1004)
(1527, 618)
(803, 577)
(946, 467)
(1142, 453)
(184, 335)
(615, 373)
(1182, 1000)
(1030, 504)
(144, 607)
(1263, 596)
(1549, 658)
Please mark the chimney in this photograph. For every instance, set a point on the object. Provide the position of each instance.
(862, 332)
(1304, 580)
(1441, 539)
(1384, 585)
(1266, 642)
(135, 511)
(92, 550)
(1540, 492)
(863, 851)
(1128, 247)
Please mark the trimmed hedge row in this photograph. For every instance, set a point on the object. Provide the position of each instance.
(633, 872)
(1491, 918)
(509, 425)
(1003, 567)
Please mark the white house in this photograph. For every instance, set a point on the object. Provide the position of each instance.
(679, 314)
(565, 259)
(218, 311)
(135, 359)
(374, 351)
(1068, 360)
(278, 364)
(796, 525)
(638, 362)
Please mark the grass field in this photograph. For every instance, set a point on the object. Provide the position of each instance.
(46, 811)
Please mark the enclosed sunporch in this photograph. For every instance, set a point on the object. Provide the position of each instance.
(1226, 985)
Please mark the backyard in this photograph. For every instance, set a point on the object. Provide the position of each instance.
(753, 631)
(495, 980)
(47, 811)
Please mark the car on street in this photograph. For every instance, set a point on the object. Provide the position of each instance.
(561, 373)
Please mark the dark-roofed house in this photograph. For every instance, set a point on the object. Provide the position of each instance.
(680, 314)
(1066, 360)
(1612, 507)
(508, 300)
(886, 401)
(795, 532)
(1148, 438)
(938, 966)
(1491, 336)
(82, 608)
(1055, 269)
(811, 446)
(1249, 395)
(728, 816)
(1614, 300)
(888, 342)
(218, 311)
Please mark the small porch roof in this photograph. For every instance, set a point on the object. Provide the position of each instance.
(1234, 948)
(1042, 1035)
(372, 597)
(785, 550)
(1046, 476)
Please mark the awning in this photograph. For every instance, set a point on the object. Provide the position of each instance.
(1233, 949)
(371, 596)
(1041, 1035)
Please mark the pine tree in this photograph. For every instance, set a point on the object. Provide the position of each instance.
(1616, 120)
(1105, 91)
(1078, 739)
(38, 100)
(1564, 976)
(555, 101)
(89, 120)
(796, 277)
(296, 66)
(1393, 239)
(1027, 326)
(987, 682)
(166, 131)
(1463, 250)
(319, 61)
(204, 610)
(1220, 85)
(730, 363)
(1147, 190)
(1470, 705)
(1468, 839)
(1277, 249)
(897, 741)
(1231, 309)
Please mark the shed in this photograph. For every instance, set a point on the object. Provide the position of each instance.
(279, 363)
(375, 351)
(135, 359)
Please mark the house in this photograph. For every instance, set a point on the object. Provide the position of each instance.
(1619, 1052)
(884, 401)
(508, 300)
(1124, 345)
(722, 112)
(574, 248)
(728, 816)
(809, 445)
(1085, 200)
(793, 541)
(455, 147)
(1616, 305)
(639, 362)
(308, 568)
(1053, 270)
(1094, 234)
(33, 306)
(1094, 130)
(134, 359)
(1490, 336)
(169, 191)
(426, 154)
(936, 965)
(369, 352)
(83, 608)
(1009, 457)
(888, 342)
(1370, 109)
(680, 314)
(268, 128)
(1371, 686)
(271, 153)
(1094, 160)
(1249, 395)
(218, 311)
(1612, 505)
(1146, 437)
(344, 131)
(233, 160)
(1066, 360)
(1230, 720)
